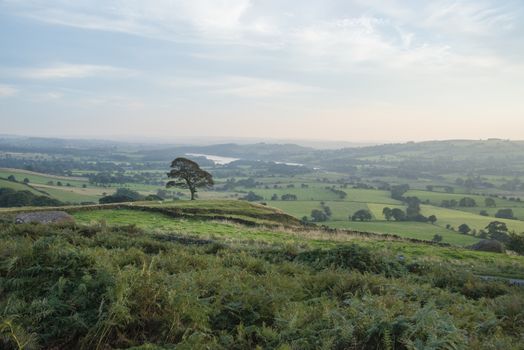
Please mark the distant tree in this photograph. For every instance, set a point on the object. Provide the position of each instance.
(437, 238)
(162, 193)
(318, 215)
(187, 174)
(26, 180)
(362, 215)
(430, 188)
(432, 219)
(12, 198)
(516, 243)
(467, 202)
(464, 229)
(397, 191)
(152, 197)
(388, 213)
(327, 210)
(449, 189)
(288, 197)
(84, 186)
(58, 183)
(11, 178)
(469, 184)
(121, 195)
(498, 230)
(490, 202)
(505, 214)
(483, 213)
(274, 197)
(252, 197)
(398, 214)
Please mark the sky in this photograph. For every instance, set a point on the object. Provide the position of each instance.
(349, 70)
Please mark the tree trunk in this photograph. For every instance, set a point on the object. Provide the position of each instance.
(192, 194)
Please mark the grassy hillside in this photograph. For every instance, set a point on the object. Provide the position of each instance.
(4, 183)
(178, 275)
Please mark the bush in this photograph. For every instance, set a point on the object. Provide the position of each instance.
(252, 197)
(505, 214)
(12, 198)
(489, 246)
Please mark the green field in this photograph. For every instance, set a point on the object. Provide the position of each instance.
(457, 217)
(436, 198)
(485, 263)
(38, 178)
(18, 186)
(415, 230)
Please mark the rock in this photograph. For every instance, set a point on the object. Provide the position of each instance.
(44, 217)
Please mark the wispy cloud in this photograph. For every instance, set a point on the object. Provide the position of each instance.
(7, 90)
(242, 86)
(71, 71)
(393, 33)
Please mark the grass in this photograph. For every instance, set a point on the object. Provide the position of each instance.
(119, 287)
(415, 230)
(342, 209)
(39, 178)
(457, 217)
(17, 186)
(231, 232)
(436, 198)
(129, 278)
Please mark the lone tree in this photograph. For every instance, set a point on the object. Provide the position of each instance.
(362, 215)
(187, 174)
(388, 213)
(464, 229)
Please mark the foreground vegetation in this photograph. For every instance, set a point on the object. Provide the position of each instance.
(124, 278)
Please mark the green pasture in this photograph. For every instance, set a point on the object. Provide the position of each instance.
(407, 229)
(340, 210)
(518, 212)
(37, 178)
(436, 198)
(481, 262)
(18, 186)
(455, 218)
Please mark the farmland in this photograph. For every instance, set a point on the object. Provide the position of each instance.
(308, 191)
(223, 272)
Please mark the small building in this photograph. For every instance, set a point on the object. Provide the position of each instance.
(44, 217)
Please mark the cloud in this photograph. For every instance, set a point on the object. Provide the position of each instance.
(163, 19)
(242, 86)
(7, 91)
(467, 17)
(71, 71)
(335, 35)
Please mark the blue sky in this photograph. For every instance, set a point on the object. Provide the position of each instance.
(355, 70)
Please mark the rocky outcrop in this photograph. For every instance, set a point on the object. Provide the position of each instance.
(44, 217)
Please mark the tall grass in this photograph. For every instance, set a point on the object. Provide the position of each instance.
(99, 287)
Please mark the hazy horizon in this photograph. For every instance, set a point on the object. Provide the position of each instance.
(337, 71)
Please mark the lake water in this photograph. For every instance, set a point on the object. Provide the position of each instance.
(216, 159)
(226, 160)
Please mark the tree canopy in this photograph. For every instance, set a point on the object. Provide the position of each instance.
(188, 174)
